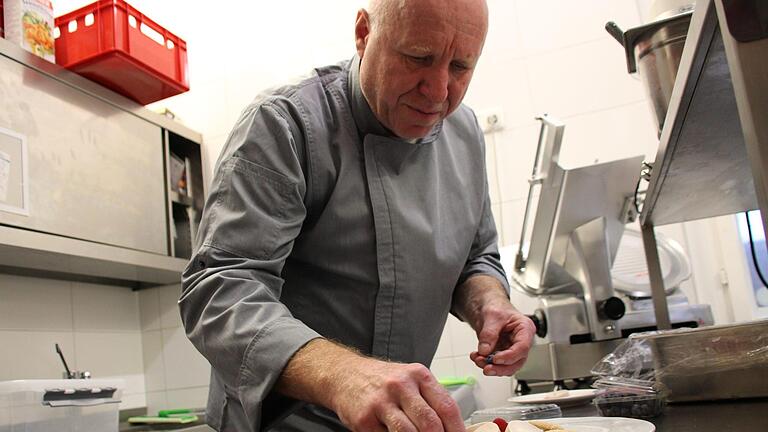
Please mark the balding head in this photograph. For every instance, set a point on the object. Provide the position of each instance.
(382, 11)
(417, 58)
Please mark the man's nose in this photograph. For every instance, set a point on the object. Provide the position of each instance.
(434, 83)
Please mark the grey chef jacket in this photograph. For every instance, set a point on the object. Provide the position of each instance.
(320, 223)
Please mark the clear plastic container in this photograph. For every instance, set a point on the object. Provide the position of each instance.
(629, 405)
(626, 397)
(516, 412)
(83, 405)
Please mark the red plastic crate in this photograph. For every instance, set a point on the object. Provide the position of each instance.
(107, 45)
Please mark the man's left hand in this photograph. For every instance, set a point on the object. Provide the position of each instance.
(505, 336)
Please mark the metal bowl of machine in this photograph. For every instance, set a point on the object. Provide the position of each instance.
(630, 271)
(654, 50)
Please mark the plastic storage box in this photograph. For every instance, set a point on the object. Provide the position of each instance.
(60, 405)
(114, 44)
(629, 405)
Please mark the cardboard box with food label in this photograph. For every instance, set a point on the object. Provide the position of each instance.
(29, 23)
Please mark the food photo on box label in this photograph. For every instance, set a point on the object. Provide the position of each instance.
(29, 23)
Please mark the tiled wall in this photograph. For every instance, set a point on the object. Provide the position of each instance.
(97, 327)
(555, 57)
(176, 374)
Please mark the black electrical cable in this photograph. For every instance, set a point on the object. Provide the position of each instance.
(645, 174)
(754, 254)
(637, 195)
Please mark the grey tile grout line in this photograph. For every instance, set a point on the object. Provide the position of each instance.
(162, 346)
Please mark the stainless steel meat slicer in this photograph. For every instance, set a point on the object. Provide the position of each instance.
(588, 300)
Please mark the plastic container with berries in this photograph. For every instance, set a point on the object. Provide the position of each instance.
(626, 397)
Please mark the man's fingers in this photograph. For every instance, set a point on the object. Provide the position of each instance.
(421, 414)
(396, 421)
(511, 355)
(503, 370)
(489, 335)
(442, 404)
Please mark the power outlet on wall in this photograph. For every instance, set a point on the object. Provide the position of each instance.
(491, 120)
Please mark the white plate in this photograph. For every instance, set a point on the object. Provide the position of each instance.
(573, 397)
(603, 424)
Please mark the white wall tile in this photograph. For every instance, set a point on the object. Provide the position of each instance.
(501, 83)
(702, 235)
(110, 354)
(513, 212)
(552, 24)
(149, 309)
(445, 347)
(133, 401)
(676, 233)
(464, 338)
(191, 398)
(496, 209)
(103, 307)
(490, 166)
(31, 354)
(156, 401)
(608, 135)
(504, 33)
(515, 150)
(442, 368)
(581, 79)
(184, 365)
(204, 109)
(489, 391)
(154, 366)
(169, 308)
(33, 303)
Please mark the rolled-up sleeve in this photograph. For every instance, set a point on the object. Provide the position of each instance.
(230, 303)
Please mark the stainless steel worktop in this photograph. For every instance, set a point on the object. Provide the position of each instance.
(715, 416)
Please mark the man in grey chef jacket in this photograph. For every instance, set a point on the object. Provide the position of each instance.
(349, 214)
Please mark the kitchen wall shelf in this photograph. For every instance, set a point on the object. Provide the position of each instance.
(713, 150)
(99, 203)
(185, 192)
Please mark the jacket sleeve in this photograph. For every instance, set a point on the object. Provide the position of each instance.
(230, 303)
(484, 255)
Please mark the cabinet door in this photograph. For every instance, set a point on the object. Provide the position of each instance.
(95, 172)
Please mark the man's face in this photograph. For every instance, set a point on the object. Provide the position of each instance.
(416, 64)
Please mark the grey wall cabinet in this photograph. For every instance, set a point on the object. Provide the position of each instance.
(85, 179)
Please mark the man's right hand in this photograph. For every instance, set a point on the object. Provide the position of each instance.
(370, 395)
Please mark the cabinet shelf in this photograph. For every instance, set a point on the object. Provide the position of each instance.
(67, 258)
(181, 199)
(713, 150)
(702, 168)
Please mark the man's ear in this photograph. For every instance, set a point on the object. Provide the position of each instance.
(362, 31)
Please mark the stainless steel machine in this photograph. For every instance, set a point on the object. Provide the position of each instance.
(586, 302)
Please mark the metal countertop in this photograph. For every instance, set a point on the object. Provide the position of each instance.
(715, 416)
